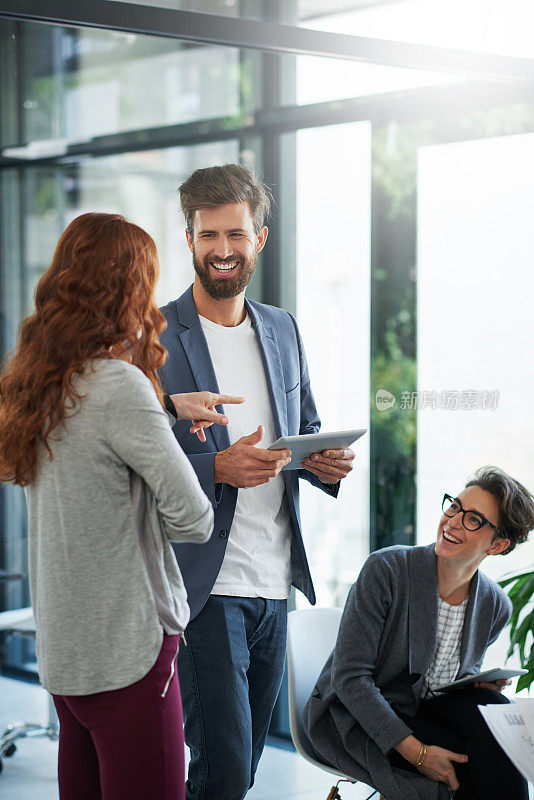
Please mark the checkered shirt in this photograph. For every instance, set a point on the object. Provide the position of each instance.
(446, 661)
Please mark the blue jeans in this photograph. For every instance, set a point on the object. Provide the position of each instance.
(230, 674)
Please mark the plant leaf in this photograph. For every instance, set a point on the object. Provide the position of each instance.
(520, 582)
(519, 637)
(525, 681)
(513, 578)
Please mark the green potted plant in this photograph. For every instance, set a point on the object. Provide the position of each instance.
(521, 593)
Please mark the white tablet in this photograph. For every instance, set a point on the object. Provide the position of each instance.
(488, 676)
(303, 446)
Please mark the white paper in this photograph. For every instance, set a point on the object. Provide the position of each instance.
(513, 727)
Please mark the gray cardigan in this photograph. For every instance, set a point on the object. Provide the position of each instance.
(101, 513)
(386, 641)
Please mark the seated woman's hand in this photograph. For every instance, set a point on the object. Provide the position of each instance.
(438, 765)
(496, 686)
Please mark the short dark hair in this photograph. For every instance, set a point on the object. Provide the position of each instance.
(516, 504)
(231, 183)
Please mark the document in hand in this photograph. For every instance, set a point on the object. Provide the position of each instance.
(513, 727)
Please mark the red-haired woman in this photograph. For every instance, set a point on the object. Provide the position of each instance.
(83, 429)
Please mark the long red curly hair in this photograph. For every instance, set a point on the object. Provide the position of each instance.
(96, 300)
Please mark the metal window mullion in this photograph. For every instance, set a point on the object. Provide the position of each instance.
(409, 106)
(271, 278)
(266, 36)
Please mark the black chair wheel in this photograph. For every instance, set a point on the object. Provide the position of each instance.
(10, 751)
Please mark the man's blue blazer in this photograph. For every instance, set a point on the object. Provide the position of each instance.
(189, 368)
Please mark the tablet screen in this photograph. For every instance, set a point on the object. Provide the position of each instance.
(303, 446)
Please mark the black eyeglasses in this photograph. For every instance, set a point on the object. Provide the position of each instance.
(471, 520)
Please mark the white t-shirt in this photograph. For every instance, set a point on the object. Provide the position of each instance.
(258, 552)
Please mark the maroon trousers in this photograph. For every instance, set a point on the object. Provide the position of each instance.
(125, 744)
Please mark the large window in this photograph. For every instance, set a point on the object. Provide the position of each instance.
(475, 344)
(333, 239)
(476, 378)
(401, 230)
(492, 26)
(67, 87)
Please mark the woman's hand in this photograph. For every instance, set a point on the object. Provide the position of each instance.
(199, 408)
(496, 686)
(438, 765)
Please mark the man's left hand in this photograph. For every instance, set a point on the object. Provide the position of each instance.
(496, 686)
(330, 466)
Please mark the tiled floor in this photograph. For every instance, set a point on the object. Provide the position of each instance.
(31, 772)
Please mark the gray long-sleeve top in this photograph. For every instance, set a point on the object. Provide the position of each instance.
(101, 513)
(386, 642)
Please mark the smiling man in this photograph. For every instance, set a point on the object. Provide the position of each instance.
(225, 267)
(238, 583)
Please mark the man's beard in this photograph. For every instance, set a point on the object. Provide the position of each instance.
(224, 288)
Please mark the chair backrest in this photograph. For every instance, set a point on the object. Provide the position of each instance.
(311, 637)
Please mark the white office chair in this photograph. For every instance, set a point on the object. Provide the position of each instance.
(311, 637)
(21, 621)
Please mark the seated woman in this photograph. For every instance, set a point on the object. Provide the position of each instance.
(416, 618)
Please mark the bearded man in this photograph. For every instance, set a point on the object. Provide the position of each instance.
(238, 583)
